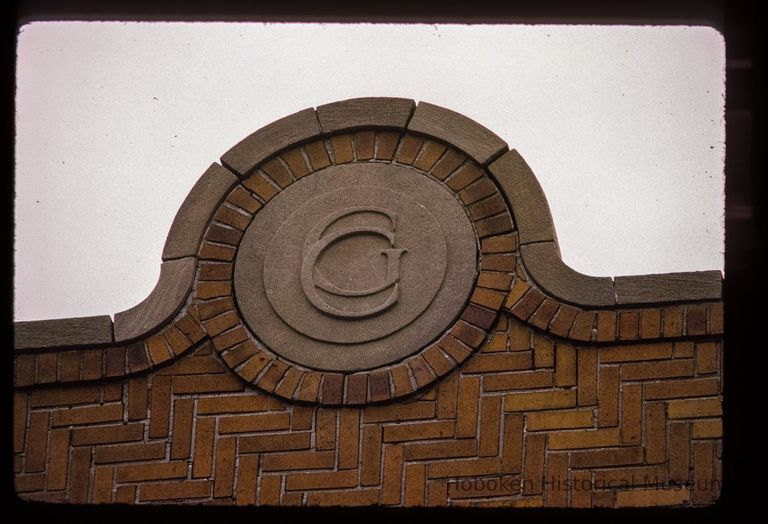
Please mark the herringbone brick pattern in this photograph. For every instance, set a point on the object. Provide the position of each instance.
(526, 421)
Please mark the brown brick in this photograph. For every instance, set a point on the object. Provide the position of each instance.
(705, 491)
(269, 490)
(221, 323)
(261, 186)
(487, 298)
(125, 494)
(302, 417)
(342, 149)
(679, 450)
(302, 460)
(487, 207)
(107, 434)
(379, 385)
(160, 405)
(430, 153)
(711, 428)
(673, 321)
(399, 412)
(202, 464)
(364, 145)
(629, 324)
(467, 406)
(349, 436)
(623, 456)
(458, 351)
(590, 438)
(650, 323)
(231, 404)
(477, 316)
(581, 498)
(188, 489)
(655, 433)
(225, 467)
(409, 148)
(499, 244)
(156, 471)
(543, 352)
(247, 477)
(565, 365)
(181, 441)
(138, 396)
(362, 497)
(232, 217)
(490, 424)
(47, 367)
(420, 371)
(494, 280)
(606, 326)
(92, 364)
(309, 387)
(214, 307)
(533, 472)
(128, 452)
(159, 351)
(499, 362)
(608, 396)
(662, 369)
(419, 431)
(447, 164)
(716, 318)
(519, 289)
(546, 420)
(325, 434)
(698, 387)
(321, 480)
(477, 190)
(101, 491)
(631, 413)
(635, 476)
(544, 314)
(386, 144)
(541, 378)
(88, 415)
(695, 408)
(528, 304)
(58, 463)
(470, 335)
(635, 352)
(223, 235)
(587, 376)
(187, 384)
(112, 392)
(255, 360)
(512, 447)
(294, 158)
(277, 442)
(643, 498)
(271, 377)
(69, 366)
(414, 489)
(441, 449)
(79, 476)
(557, 473)
(317, 154)
(696, 320)
(357, 388)
(176, 340)
(472, 467)
(464, 176)
(20, 407)
(706, 358)
(540, 400)
(332, 388)
(25, 370)
(64, 396)
(392, 474)
(370, 463)
(29, 482)
(209, 251)
(583, 325)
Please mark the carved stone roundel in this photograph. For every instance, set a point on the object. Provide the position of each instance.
(355, 267)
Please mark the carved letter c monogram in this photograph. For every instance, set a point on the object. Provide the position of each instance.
(317, 242)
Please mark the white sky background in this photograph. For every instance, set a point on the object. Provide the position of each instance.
(623, 126)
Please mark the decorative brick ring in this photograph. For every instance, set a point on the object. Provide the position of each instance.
(356, 268)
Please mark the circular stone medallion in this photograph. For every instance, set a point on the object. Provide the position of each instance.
(355, 267)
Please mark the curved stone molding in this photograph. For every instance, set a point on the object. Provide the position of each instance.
(358, 113)
(558, 279)
(188, 226)
(477, 141)
(165, 300)
(280, 134)
(62, 332)
(529, 205)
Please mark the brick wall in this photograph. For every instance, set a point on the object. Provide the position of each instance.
(538, 399)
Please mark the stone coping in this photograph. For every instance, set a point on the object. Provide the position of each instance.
(536, 235)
